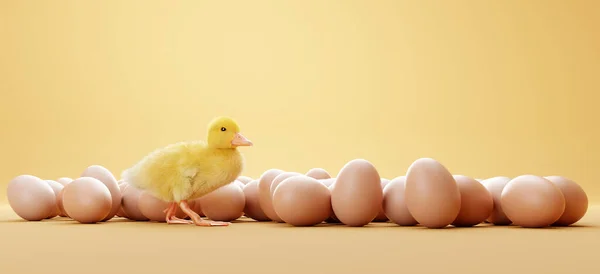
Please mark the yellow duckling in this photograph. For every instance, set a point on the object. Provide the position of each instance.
(188, 170)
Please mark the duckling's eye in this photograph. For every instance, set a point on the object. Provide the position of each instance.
(223, 129)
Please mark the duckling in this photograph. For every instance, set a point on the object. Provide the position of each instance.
(185, 171)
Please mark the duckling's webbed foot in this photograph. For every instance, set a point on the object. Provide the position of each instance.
(197, 220)
(171, 218)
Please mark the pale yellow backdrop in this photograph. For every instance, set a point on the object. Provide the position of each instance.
(487, 87)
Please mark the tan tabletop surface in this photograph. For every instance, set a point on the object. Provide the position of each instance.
(121, 246)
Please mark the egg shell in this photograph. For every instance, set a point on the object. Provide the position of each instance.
(252, 208)
(196, 206)
(120, 212)
(264, 192)
(277, 180)
(432, 195)
(129, 203)
(381, 217)
(154, 208)
(59, 204)
(107, 178)
(476, 203)
(302, 201)
(329, 184)
(31, 198)
(224, 204)
(239, 184)
(532, 201)
(244, 179)
(576, 200)
(495, 185)
(318, 173)
(64, 180)
(394, 202)
(87, 200)
(356, 195)
(57, 188)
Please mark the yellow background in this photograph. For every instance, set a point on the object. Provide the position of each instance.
(486, 87)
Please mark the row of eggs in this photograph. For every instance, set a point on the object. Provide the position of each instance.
(428, 195)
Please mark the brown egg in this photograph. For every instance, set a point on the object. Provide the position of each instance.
(381, 216)
(120, 212)
(129, 203)
(239, 184)
(532, 201)
(329, 184)
(276, 181)
(394, 202)
(495, 185)
(318, 173)
(576, 201)
(64, 181)
(264, 192)
(196, 207)
(356, 195)
(252, 208)
(59, 203)
(302, 201)
(476, 203)
(107, 178)
(432, 196)
(87, 200)
(244, 179)
(155, 209)
(57, 188)
(224, 204)
(31, 198)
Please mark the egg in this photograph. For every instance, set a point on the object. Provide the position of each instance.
(432, 195)
(381, 216)
(31, 198)
(318, 173)
(532, 201)
(394, 202)
(87, 200)
(264, 192)
(495, 185)
(224, 204)
(302, 201)
(129, 203)
(356, 195)
(576, 201)
(329, 183)
(252, 207)
(107, 178)
(64, 181)
(279, 178)
(59, 203)
(120, 212)
(244, 179)
(239, 184)
(196, 207)
(57, 188)
(155, 209)
(476, 203)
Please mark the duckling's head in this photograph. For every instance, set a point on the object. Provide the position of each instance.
(224, 132)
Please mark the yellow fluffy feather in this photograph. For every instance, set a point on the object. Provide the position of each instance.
(189, 170)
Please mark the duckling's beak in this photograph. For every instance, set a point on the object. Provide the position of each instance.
(240, 140)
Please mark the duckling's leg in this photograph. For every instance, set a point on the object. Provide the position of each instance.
(171, 218)
(196, 218)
